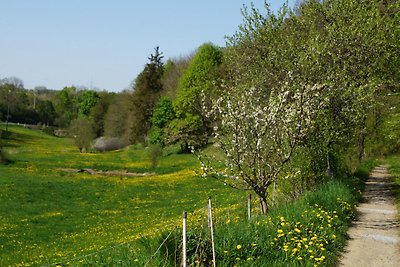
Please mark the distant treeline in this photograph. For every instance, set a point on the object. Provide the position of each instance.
(348, 49)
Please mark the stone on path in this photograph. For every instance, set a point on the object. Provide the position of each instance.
(374, 236)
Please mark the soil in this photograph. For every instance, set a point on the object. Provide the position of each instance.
(121, 173)
(374, 236)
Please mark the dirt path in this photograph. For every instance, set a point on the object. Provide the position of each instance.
(374, 236)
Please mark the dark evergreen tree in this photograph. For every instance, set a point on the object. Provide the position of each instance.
(146, 91)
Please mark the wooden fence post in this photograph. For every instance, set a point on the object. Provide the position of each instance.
(249, 207)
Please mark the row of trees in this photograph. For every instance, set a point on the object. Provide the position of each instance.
(304, 86)
(163, 102)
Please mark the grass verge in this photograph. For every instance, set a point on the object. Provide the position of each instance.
(308, 232)
(394, 170)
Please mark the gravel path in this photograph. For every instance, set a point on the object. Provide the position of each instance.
(374, 236)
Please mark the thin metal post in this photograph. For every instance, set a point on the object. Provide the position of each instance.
(212, 230)
(184, 216)
(249, 207)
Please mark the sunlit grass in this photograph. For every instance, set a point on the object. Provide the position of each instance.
(48, 214)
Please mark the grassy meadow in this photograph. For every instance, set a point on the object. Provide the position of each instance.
(50, 213)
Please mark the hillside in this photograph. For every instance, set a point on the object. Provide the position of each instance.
(49, 212)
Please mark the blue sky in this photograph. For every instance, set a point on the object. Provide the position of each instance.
(106, 43)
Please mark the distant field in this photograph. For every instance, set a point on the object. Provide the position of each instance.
(49, 213)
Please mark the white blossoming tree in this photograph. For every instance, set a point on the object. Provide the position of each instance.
(258, 133)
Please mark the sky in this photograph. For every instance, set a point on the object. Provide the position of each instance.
(105, 44)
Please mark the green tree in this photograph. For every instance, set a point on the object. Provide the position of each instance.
(81, 130)
(66, 106)
(190, 127)
(146, 91)
(87, 101)
(14, 100)
(117, 121)
(163, 114)
(98, 112)
(174, 69)
(46, 112)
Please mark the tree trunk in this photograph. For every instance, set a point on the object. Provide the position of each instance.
(361, 141)
(263, 205)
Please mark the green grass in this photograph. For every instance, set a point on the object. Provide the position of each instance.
(308, 232)
(49, 214)
(394, 170)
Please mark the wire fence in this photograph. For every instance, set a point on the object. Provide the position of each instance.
(164, 245)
